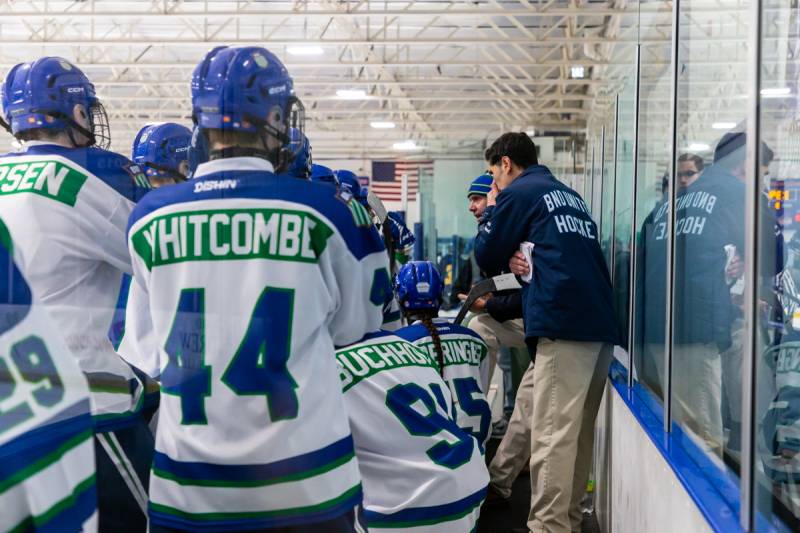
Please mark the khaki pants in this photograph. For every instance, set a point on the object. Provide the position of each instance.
(515, 448)
(696, 390)
(495, 334)
(568, 382)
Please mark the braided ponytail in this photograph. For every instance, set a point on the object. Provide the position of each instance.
(427, 320)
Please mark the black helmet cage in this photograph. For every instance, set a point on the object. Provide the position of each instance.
(294, 117)
(98, 122)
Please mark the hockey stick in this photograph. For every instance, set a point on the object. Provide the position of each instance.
(377, 206)
(502, 282)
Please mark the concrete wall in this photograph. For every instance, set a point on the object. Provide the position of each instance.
(636, 489)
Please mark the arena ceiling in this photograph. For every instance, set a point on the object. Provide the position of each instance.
(448, 74)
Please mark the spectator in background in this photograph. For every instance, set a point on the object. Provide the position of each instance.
(469, 273)
(570, 324)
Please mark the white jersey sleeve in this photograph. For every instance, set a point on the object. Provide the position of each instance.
(420, 471)
(243, 281)
(47, 479)
(67, 211)
(360, 284)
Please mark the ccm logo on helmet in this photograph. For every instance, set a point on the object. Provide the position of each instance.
(74, 89)
(276, 90)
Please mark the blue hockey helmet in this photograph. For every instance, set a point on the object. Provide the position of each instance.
(43, 95)
(419, 286)
(323, 174)
(349, 182)
(300, 167)
(247, 89)
(161, 148)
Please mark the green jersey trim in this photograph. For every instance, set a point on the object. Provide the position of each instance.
(51, 179)
(32, 522)
(364, 361)
(47, 460)
(231, 234)
(296, 476)
(255, 515)
(5, 238)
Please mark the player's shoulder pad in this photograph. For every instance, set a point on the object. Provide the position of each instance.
(379, 335)
(115, 170)
(412, 332)
(458, 329)
(118, 172)
(348, 216)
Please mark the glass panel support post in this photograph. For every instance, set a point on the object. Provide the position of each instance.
(672, 195)
(752, 234)
(633, 266)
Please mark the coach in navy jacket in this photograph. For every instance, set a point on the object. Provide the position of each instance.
(569, 320)
(570, 295)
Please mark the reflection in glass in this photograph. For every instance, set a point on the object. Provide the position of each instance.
(653, 161)
(777, 363)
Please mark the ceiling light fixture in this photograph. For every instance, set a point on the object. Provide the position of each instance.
(699, 147)
(383, 124)
(405, 145)
(723, 125)
(577, 72)
(352, 94)
(305, 50)
(776, 92)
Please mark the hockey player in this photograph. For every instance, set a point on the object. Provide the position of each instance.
(349, 183)
(250, 279)
(46, 451)
(323, 174)
(162, 152)
(459, 351)
(351, 190)
(421, 472)
(66, 202)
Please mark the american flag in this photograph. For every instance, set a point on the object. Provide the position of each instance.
(387, 178)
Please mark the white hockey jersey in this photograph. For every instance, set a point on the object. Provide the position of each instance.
(243, 283)
(47, 469)
(466, 371)
(67, 211)
(420, 471)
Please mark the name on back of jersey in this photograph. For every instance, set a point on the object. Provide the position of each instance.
(51, 179)
(362, 362)
(460, 351)
(231, 234)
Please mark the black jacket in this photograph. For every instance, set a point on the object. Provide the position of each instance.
(506, 305)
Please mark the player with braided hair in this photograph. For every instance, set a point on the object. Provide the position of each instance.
(459, 351)
(421, 472)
